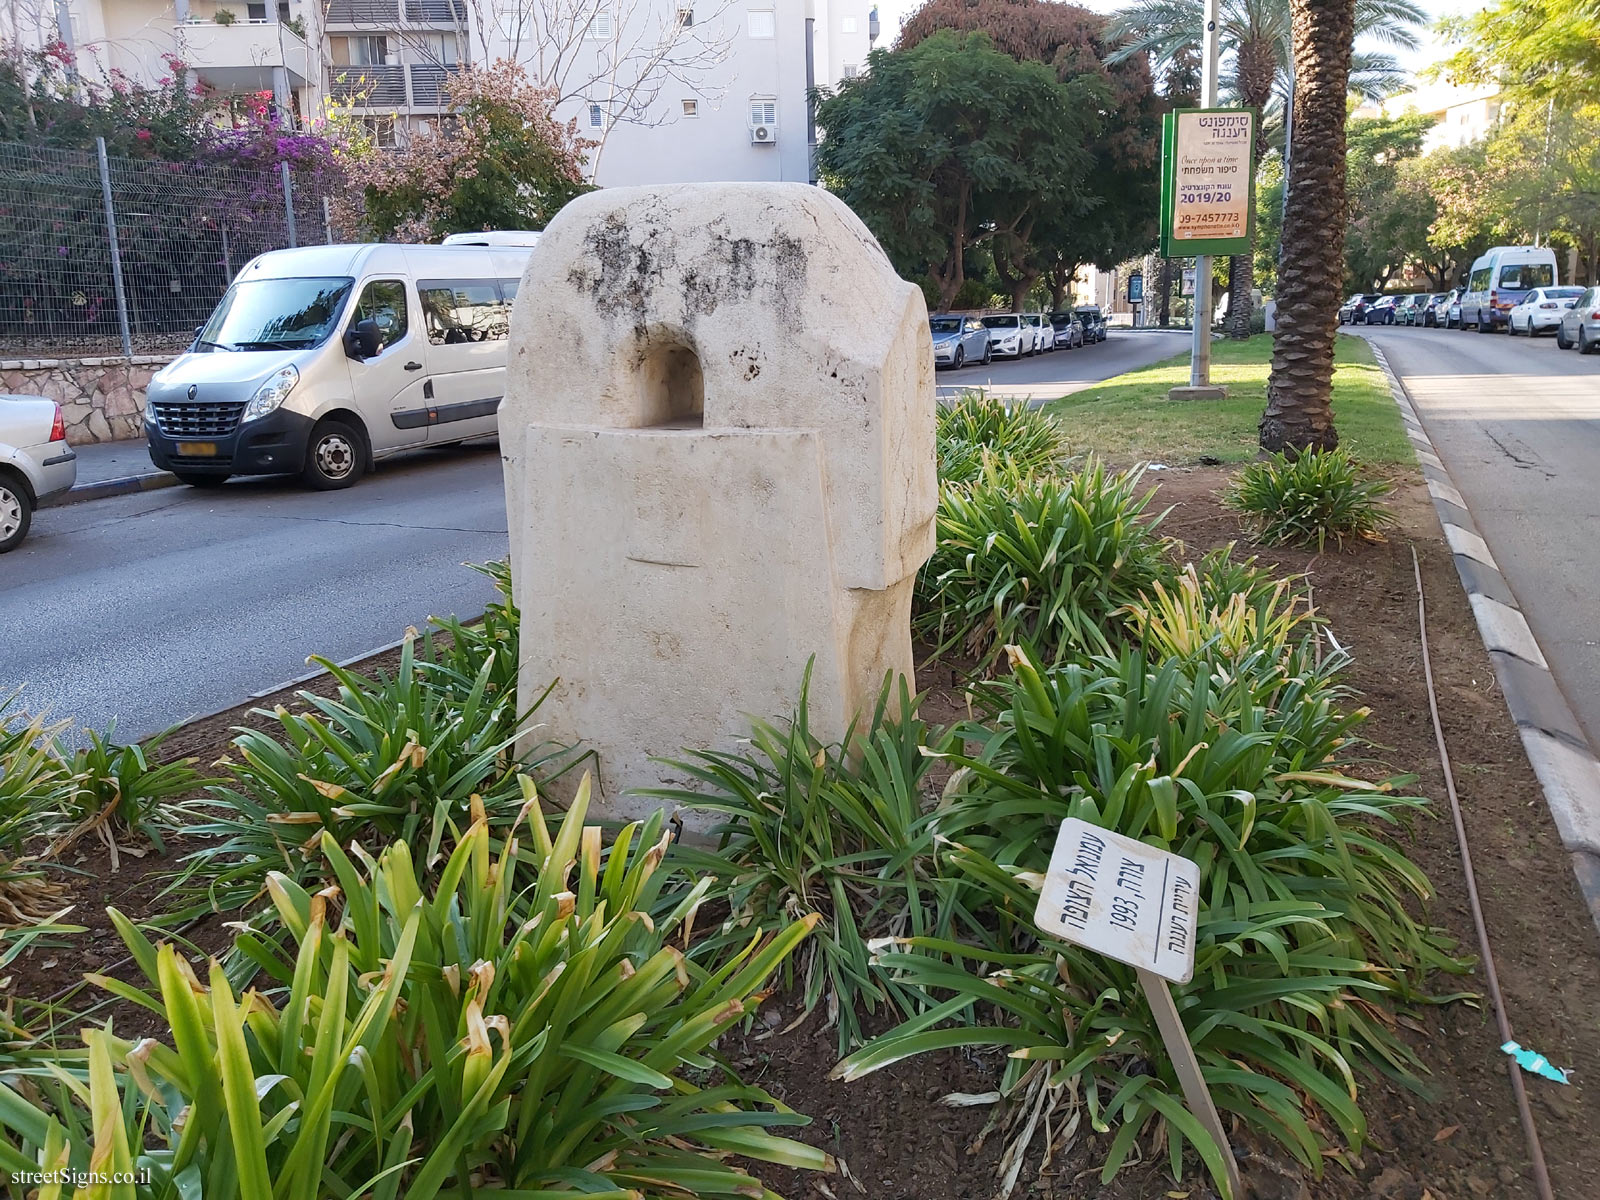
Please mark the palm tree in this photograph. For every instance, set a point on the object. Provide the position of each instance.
(1256, 43)
(1299, 413)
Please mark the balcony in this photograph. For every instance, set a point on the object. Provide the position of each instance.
(389, 13)
(241, 57)
(389, 87)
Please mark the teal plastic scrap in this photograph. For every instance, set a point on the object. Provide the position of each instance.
(1535, 1063)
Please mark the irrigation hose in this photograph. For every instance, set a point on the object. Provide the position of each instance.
(1541, 1173)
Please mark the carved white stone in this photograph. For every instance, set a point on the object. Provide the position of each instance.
(718, 434)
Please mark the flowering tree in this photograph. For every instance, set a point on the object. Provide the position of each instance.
(43, 99)
(502, 161)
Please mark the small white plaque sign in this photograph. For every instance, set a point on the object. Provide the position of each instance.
(1126, 900)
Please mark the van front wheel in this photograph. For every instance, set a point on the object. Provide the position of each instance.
(335, 457)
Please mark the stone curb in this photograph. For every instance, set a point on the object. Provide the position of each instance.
(1562, 759)
(297, 681)
(150, 482)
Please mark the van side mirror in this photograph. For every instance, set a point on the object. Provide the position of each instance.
(361, 339)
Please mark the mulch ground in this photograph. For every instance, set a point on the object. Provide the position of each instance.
(1462, 1141)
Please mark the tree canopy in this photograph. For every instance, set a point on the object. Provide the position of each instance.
(1540, 48)
(951, 144)
(1112, 217)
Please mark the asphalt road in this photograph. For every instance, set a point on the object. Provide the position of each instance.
(153, 608)
(1517, 425)
(1046, 377)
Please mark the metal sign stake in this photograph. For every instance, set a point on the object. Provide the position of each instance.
(1139, 905)
(1187, 1067)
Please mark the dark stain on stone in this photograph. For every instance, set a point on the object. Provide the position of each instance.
(628, 262)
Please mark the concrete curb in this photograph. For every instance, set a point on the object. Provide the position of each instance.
(297, 681)
(117, 487)
(1560, 754)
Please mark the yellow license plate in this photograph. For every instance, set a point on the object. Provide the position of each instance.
(198, 449)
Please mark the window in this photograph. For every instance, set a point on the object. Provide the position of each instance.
(1527, 275)
(1479, 281)
(851, 70)
(600, 24)
(439, 48)
(255, 12)
(848, 25)
(763, 111)
(384, 301)
(508, 290)
(691, 108)
(460, 311)
(380, 130)
(368, 51)
(597, 117)
(291, 314)
(686, 17)
(763, 23)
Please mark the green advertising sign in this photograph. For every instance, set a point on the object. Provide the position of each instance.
(1207, 186)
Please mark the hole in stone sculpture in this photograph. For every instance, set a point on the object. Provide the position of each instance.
(674, 389)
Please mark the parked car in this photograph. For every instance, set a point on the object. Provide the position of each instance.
(1408, 311)
(322, 360)
(1381, 311)
(1541, 310)
(1430, 310)
(958, 340)
(1093, 321)
(1044, 335)
(1069, 330)
(1453, 310)
(1580, 324)
(1009, 337)
(35, 462)
(1354, 310)
(1499, 281)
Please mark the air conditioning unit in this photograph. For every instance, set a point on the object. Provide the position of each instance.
(763, 135)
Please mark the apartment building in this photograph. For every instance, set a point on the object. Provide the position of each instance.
(669, 90)
(1461, 115)
(232, 47)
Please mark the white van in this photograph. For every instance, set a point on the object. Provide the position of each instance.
(1500, 279)
(322, 360)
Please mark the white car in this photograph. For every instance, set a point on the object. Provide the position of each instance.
(1044, 334)
(35, 462)
(1541, 311)
(1010, 336)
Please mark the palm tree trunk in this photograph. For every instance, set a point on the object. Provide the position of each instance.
(1299, 413)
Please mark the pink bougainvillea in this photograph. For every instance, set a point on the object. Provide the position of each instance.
(500, 160)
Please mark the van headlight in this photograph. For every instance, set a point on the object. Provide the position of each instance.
(272, 393)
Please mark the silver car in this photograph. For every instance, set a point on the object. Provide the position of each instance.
(35, 462)
(1580, 324)
(958, 340)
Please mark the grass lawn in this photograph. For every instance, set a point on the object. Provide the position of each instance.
(1130, 419)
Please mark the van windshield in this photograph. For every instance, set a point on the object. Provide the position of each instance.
(1523, 276)
(275, 314)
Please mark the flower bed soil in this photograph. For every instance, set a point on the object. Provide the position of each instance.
(1460, 1142)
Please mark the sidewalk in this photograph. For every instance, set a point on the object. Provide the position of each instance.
(114, 468)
